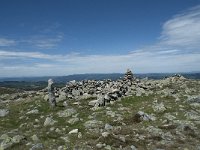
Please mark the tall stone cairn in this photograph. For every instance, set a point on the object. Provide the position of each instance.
(128, 75)
(51, 93)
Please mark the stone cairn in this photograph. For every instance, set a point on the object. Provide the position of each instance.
(128, 75)
(100, 92)
(51, 94)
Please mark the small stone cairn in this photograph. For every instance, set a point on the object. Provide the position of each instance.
(128, 75)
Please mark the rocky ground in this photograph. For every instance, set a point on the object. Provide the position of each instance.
(139, 114)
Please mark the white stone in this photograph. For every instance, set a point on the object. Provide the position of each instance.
(79, 135)
(74, 131)
(105, 134)
(93, 102)
(34, 111)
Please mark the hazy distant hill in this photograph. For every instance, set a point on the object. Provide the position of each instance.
(113, 76)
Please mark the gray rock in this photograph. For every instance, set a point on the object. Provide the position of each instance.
(49, 121)
(51, 93)
(37, 146)
(86, 96)
(79, 135)
(141, 116)
(107, 98)
(35, 138)
(75, 92)
(8, 141)
(67, 113)
(133, 147)
(34, 111)
(73, 120)
(192, 115)
(101, 101)
(62, 97)
(4, 112)
(99, 145)
(105, 134)
(194, 99)
(108, 127)
(93, 102)
(108, 147)
(93, 124)
(46, 97)
(17, 138)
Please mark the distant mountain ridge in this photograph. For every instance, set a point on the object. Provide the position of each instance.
(96, 76)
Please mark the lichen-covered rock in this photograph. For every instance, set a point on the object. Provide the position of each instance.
(93, 124)
(38, 146)
(7, 141)
(67, 113)
(49, 121)
(142, 116)
(34, 111)
(73, 120)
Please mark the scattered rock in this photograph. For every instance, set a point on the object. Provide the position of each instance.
(79, 135)
(108, 127)
(74, 131)
(17, 138)
(67, 113)
(73, 120)
(99, 145)
(49, 121)
(35, 138)
(141, 116)
(7, 141)
(37, 146)
(105, 134)
(93, 124)
(34, 111)
(4, 112)
(133, 147)
(93, 102)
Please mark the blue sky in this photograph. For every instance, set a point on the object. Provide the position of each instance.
(50, 37)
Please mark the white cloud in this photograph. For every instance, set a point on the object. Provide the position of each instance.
(47, 43)
(15, 54)
(7, 42)
(183, 30)
(140, 62)
(43, 41)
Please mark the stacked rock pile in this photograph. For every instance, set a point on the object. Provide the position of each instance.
(103, 91)
(128, 75)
